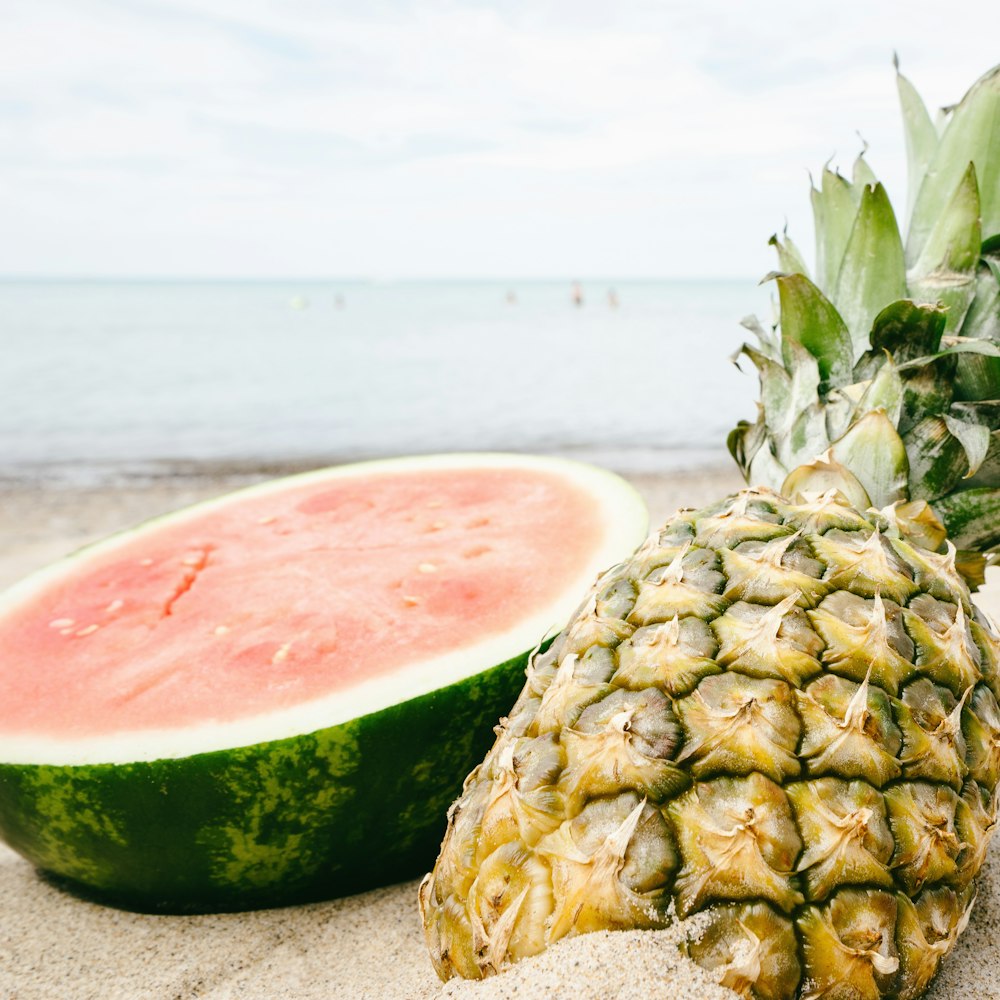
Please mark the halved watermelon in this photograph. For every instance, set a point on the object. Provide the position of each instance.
(275, 695)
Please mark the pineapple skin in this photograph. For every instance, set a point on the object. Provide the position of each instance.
(782, 715)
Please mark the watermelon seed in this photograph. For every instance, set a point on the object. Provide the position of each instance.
(410, 599)
(62, 623)
(282, 653)
(427, 568)
(270, 519)
(479, 522)
(145, 562)
(88, 630)
(478, 550)
(221, 629)
(114, 606)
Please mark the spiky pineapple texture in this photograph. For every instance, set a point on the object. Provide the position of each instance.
(883, 374)
(783, 714)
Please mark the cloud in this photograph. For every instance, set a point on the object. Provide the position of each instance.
(433, 138)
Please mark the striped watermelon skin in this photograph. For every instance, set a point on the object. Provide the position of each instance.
(333, 812)
(337, 794)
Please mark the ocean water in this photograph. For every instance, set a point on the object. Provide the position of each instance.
(102, 378)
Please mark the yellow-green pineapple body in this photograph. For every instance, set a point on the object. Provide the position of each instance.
(774, 714)
(780, 715)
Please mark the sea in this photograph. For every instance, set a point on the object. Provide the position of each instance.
(104, 379)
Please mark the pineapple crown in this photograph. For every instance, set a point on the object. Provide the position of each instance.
(882, 376)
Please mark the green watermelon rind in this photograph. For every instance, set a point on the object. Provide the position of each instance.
(321, 812)
(347, 808)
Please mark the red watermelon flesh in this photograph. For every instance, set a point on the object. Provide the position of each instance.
(276, 599)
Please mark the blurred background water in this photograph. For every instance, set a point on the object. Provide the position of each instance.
(104, 378)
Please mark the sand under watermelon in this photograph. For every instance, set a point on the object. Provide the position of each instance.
(54, 946)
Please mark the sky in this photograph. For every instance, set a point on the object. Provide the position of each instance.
(386, 140)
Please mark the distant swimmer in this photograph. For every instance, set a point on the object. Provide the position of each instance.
(511, 297)
(612, 298)
(338, 301)
(576, 294)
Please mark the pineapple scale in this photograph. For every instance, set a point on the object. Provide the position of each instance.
(782, 716)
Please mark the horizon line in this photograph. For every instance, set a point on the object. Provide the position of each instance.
(11, 278)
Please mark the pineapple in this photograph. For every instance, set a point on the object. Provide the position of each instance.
(782, 714)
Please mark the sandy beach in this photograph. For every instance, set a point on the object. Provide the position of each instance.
(54, 946)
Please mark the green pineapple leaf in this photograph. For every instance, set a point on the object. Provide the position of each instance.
(953, 347)
(987, 414)
(903, 331)
(993, 264)
(972, 517)
(822, 474)
(834, 210)
(974, 439)
(876, 455)
(932, 383)
(805, 378)
(945, 272)
(980, 411)
(882, 333)
(908, 330)
(961, 345)
(806, 439)
(790, 259)
(764, 467)
(927, 389)
(937, 459)
(862, 175)
(872, 273)
(988, 474)
(841, 408)
(977, 376)
(972, 133)
(884, 392)
(775, 389)
(921, 136)
(739, 439)
(810, 319)
(982, 320)
(768, 342)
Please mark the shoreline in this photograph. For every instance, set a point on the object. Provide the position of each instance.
(97, 473)
(109, 471)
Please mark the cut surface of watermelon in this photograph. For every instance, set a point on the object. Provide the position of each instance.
(359, 607)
